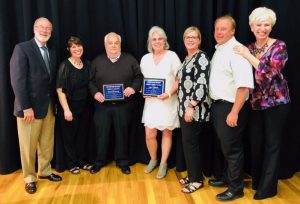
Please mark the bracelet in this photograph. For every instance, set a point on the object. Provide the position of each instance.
(169, 94)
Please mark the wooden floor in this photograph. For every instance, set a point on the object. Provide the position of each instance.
(110, 186)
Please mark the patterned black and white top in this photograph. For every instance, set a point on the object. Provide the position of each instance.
(193, 79)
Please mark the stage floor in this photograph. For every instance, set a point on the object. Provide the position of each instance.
(110, 186)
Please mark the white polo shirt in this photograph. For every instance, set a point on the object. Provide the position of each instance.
(228, 72)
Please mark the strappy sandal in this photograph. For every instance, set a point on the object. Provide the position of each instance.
(190, 188)
(151, 166)
(184, 181)
(75, 170)
(87, 167)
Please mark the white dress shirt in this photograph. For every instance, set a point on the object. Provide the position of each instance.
(229, 71)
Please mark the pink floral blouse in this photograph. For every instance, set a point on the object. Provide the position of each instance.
(270, 87)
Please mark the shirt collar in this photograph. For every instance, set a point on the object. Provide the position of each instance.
(39, 44)
(226, 43)
(114, 59)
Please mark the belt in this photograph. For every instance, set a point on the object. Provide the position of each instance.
(112, 102)
(115, 102)
(221, 101)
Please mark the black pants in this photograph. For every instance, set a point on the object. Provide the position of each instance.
(266, 131)
(219, 165)
(75, 135)
(192, 132)
(118, 116)
(231, 143)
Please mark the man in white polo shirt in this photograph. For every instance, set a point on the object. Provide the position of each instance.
(230, 80)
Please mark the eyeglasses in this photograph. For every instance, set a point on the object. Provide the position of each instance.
(191, 37)
(44, 28)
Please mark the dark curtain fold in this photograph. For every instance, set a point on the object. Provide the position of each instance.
(132, 19)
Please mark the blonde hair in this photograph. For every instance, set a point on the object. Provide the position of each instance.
(228, 17)
(191, 29)
(262, 14)
(161, 33)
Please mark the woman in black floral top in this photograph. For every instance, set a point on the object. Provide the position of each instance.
(194, 107)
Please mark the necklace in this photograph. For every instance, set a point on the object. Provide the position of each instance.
(258, 50)
(192, 55)
(77, 63)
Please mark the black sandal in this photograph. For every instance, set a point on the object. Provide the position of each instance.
(87, 167)
(184, 181)
(190, 188)
(75, 170)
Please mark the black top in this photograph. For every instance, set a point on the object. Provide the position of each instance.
(125, 70)
(193, 79)
(74, 82)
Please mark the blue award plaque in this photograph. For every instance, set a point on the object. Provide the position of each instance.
(153, 87)
(113, 92)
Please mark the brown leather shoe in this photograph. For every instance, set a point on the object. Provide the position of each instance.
(30, 187)
(51, 177)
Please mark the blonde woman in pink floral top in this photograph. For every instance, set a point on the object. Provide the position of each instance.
(270, 101)
(270, 85)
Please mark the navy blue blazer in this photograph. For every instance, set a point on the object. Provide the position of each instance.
(33, 86)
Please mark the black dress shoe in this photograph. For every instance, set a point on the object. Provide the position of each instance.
(228, 196)
(125, 169)
(254, 185)
(216, 183)
(30, 187)
(51, 177)
(261, 196)
(95, 169)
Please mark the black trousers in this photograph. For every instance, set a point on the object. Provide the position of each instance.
(266, 132)
(75, 135)
(219, 165)
(192, 132)
(231, 143)
(118, 116)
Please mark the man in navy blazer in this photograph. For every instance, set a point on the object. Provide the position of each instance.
(32, 72)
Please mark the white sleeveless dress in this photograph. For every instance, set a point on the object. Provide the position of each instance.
(161, 114)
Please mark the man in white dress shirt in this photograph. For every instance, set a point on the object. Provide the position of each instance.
(230, 80)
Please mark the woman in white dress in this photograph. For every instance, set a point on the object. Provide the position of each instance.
(160, 113)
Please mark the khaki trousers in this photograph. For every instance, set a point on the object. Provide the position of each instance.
(37, 136)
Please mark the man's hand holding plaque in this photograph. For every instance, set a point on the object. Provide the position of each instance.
(113, 92)
(128, 91)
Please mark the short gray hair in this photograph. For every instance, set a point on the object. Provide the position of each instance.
(39, 19)
(262, 14)
(112, 33)
(161, 33)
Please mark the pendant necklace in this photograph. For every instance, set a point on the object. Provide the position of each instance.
(258, 50)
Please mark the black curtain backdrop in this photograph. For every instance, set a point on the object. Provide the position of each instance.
(132, 19)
